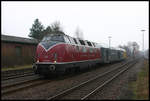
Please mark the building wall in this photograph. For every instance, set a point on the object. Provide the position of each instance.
(17, 54)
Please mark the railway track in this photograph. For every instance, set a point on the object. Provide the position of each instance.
(23, 84)
(17, 75)
(90, 87)
(20, 85)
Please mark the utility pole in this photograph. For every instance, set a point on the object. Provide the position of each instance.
(143, 40)
(109, 40)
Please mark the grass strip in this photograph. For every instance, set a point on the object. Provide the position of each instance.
(140, 87)
(16, 68)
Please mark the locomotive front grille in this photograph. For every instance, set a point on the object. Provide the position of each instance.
(44, 69)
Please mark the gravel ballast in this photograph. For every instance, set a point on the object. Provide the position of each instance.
(49, 89)
(119, 88)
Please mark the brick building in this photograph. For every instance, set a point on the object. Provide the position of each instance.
(17, 50)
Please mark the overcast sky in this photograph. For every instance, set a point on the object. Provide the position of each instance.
(123, 21)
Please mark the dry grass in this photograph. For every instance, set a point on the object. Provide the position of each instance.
(16, 68)
(141, 85)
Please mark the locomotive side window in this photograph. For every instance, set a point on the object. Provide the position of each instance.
(82, 42)
(93, 44)
(86, 43)
(72, 41)
(78, 42)
(89, 43)
(75, 40)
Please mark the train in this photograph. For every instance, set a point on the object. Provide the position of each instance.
(58, 53)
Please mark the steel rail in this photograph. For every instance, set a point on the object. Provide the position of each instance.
(17, 76)
(21, 87)
(20, 82)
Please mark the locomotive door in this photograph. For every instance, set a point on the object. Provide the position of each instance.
(105, 55)
(77, 50)
(73, 52)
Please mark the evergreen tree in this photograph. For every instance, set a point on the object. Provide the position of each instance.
(36, 31)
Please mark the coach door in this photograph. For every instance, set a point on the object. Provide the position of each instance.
(119, 55)
(107, 55)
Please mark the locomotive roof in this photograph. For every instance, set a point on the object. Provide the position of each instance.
(99, 45)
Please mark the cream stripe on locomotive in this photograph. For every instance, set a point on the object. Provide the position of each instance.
(66, 44)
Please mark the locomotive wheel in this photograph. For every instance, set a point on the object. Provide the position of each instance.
(35, 69)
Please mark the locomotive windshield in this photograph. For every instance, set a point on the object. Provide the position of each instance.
(52, 37)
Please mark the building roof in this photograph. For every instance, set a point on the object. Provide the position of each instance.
(15, 39)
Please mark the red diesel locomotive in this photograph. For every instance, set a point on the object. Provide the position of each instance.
(57, 53)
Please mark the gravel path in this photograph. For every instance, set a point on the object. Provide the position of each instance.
(57, 85)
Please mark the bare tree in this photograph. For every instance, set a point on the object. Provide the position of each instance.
(56, 28)
(79, 33)
(132, 48)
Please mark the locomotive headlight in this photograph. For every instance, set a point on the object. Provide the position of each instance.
(55, 61)
(37, 60)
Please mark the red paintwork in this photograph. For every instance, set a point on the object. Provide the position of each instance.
(66, 53)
